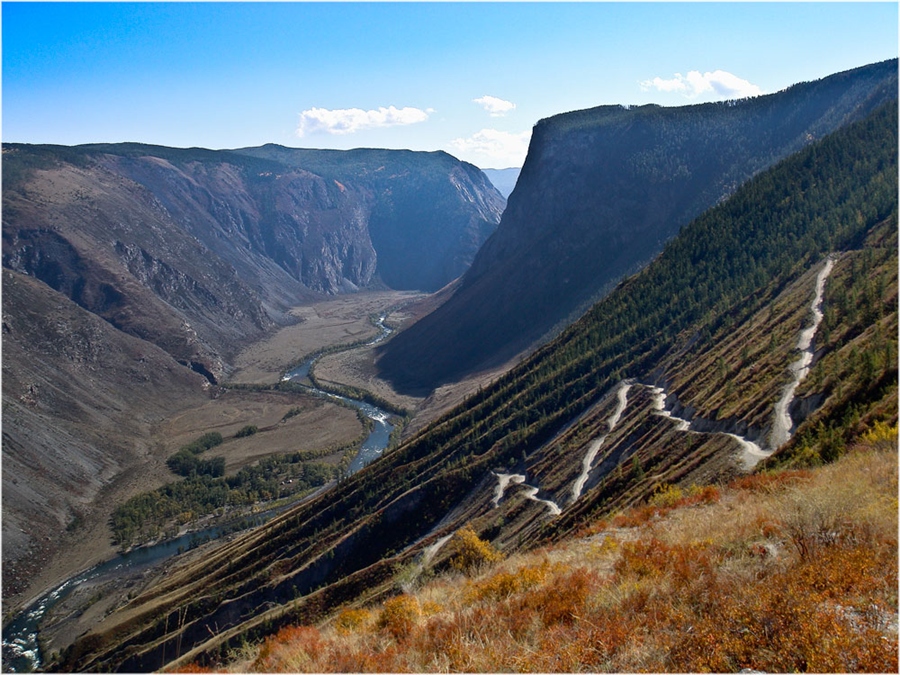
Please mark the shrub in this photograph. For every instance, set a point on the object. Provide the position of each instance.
(769, 481)
(666, 495)
(881, 434)
(192, 667)
(292, 649)
(350, 620)
(248, 430)
(204, 443)
(471, 553)
(784, 622)
(817, 518)
(503, 584)
(672, 496)
(562, 601)
(399, 616)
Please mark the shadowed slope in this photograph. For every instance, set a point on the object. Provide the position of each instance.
(600, 193)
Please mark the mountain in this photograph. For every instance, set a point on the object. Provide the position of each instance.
(79, 397)
(427, 212)
(676, 377)
(133, 275)
(199, 251)
(600, 193)
(503, 179)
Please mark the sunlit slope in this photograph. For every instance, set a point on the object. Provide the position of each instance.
(793, 571)
(747, 267)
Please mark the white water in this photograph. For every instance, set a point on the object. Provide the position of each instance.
(594, 447)
(503, 481)
(782, 424)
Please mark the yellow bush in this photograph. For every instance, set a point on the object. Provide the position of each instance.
(503, 584)
(881, 434)
(666, 495)
(471, 552)
(350, 620)
(399, 616)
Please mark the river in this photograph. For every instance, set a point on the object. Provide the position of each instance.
(20, 636)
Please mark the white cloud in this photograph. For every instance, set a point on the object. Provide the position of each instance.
(350, 120)
(491, 147)
(496, 107)
(718, 84)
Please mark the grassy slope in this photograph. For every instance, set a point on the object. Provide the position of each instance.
(784, 571)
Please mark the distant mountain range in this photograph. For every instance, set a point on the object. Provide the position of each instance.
(503, 179)
(600, 193)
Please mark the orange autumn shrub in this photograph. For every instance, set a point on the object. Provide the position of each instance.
(291, 649)
(192, 667)
(785, 622)
(563, 600)
(766, 482)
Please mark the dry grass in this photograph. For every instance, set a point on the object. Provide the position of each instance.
(776, 572)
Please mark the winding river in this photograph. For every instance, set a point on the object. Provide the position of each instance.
(20, 636)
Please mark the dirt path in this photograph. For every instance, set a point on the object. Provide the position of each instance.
(782, 424)
(592, 450)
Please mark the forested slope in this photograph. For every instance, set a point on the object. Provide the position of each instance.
(749, 264)
(600, 193)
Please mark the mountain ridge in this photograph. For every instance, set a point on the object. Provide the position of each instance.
(600, 192)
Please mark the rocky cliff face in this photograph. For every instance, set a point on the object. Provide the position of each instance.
(601, 191)
(198, 251)
(133, 275)
(426, 214)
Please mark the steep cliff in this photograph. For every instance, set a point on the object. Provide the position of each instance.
(601, 191)
(199, 251)
(428, 213)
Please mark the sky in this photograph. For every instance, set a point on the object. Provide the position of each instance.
(468, 78)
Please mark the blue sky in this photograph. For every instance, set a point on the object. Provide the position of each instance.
(468, 78)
